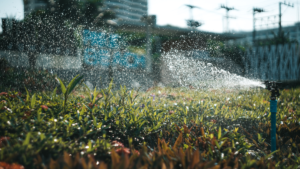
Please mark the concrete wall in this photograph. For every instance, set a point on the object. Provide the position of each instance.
(59, 62)
(15, 59)
(46, 61)
(67, 67)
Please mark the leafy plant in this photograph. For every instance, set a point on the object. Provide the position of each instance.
(70, 87)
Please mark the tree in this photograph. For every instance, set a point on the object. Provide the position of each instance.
(53, 28)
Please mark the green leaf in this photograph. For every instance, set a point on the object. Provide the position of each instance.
(94, 120)
(89, 91)
(27, 140)
(269, 155)
(73, 83)
(63, 88)
(82, 110)
(33, 98)
(90, 146)
(87, 107)
(97, 100)
(260, 140)
(28, 95)
(54, 93)
(217, 144)
(95, 95)
(39, 114)
(42, 136)
(99, 125)
(220, 133)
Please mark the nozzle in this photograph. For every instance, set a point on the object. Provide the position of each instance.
(273, 87)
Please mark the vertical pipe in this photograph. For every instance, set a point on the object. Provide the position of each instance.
(273, 108)
(227, 21)
(148, 57)
(298, 10)
(191, 13)
(253, 37)
(297, 25)
(279, 17)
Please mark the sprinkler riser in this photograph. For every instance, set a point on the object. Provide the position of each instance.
(273, 108)
(273, 87)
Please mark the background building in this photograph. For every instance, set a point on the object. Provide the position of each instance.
(291, 32)
(126, 10)
(130, 10)
(30, 5)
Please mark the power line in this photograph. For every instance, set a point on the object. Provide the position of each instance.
(285, 10)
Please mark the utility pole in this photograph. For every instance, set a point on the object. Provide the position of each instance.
(227, 15)
(191, 22)
(282, 3)
(255, 10)
(297, 26)
(191, 10)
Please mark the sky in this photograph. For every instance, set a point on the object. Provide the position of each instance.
(175, 13)
(11, 8)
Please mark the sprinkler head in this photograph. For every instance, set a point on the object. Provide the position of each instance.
(273, 87)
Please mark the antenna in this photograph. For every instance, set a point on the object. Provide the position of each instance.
(227, 16)
(191, 22)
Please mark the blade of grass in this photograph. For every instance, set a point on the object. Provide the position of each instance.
(33, 98)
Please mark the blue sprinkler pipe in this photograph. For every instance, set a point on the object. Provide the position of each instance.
(274, 89)
(273, 108)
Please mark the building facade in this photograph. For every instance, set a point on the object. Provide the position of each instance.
(31, 5)
(127, 10)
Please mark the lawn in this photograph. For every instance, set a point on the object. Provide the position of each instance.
(77, 127)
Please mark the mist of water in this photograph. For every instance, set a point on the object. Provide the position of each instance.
(190, 72)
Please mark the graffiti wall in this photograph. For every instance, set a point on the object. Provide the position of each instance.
(102, 49)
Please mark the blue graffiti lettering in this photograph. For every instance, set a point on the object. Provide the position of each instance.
(95, 56)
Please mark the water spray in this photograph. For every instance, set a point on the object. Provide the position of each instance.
(273, 87)
(201, 73)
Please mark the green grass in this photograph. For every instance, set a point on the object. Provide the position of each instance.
(46, 124)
